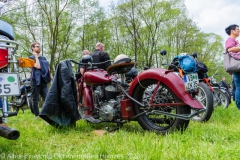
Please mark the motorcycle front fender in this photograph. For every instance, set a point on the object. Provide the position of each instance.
(88, 101)
(174, 82)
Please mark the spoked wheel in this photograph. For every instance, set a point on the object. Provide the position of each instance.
(220, 98)
(154, 122)
(205, 97)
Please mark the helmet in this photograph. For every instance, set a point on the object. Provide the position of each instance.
(87, 58)
(122, 58)
(121, 64)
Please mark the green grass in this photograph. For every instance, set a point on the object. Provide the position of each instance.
(216, 139)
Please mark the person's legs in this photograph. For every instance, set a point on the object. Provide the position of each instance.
(233, 90)
(236, 78)
(35, 97)
(44, 91)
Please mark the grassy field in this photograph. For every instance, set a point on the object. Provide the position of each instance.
(216, 139)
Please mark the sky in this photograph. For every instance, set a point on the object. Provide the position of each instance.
(211, 16)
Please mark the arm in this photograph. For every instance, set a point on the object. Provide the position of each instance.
(232, 45)
(106, 57)
(81, 71)
(50, 74)
(234, 49)
(37, 63)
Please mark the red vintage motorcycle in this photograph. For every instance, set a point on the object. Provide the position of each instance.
(156, 98)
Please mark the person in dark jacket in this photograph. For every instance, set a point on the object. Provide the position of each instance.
(60, 107)
(223, 83)
(40, 75)
(100, 56)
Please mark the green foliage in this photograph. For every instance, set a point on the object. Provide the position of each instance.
(138, 28)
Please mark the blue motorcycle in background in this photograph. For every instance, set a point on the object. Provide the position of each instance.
(25, 97)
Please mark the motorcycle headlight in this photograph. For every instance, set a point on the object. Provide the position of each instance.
(214, 80)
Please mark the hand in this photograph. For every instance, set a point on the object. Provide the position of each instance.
(35, 53)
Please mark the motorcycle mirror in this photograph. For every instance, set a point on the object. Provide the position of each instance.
(146, 68)
(163, 52)
(25, 62)
(194, 55)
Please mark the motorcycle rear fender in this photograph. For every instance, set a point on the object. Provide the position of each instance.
(174, 82)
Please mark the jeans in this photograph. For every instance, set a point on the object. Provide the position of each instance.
(36, 90)
(233, 90)
(236, 78)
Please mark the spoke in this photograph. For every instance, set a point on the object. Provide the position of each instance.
(163, 95)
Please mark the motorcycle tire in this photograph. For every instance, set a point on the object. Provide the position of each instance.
(205, 97)
(223, 98)
(160, 124)
(229, 95)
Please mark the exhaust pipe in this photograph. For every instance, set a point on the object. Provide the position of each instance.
(9, 133)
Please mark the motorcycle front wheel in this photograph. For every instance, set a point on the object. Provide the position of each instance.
(154, 122)
(220, 98)
(205, 97)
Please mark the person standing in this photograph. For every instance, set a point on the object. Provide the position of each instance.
(80, 68)
(223, 83)
(100, 56)
(233, 48)
(40, 76)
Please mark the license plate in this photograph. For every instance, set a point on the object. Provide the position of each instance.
(9, 84)
(190, 81)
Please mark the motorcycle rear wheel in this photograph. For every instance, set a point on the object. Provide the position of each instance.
(160, 124)
(205, 97)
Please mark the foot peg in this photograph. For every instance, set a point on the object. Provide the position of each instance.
(91, 119)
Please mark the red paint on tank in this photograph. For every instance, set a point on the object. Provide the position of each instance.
(97, 76)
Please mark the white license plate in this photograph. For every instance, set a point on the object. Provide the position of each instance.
(190, 81)
(9, 84)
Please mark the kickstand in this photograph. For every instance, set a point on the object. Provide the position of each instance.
(114, 129)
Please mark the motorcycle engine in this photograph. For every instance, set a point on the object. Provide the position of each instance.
(109, 110)
(108, 101)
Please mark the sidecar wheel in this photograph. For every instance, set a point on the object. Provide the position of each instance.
(159, 123)
(205, 97)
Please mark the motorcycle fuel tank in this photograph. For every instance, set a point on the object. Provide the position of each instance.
(97, 76)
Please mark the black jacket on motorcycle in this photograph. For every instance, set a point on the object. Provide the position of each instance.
(60, 106)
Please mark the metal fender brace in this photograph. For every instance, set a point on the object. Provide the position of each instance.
(157, 112)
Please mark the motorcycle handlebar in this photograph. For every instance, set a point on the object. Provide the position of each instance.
(165, 64)
(89, 63)
(9, 133)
